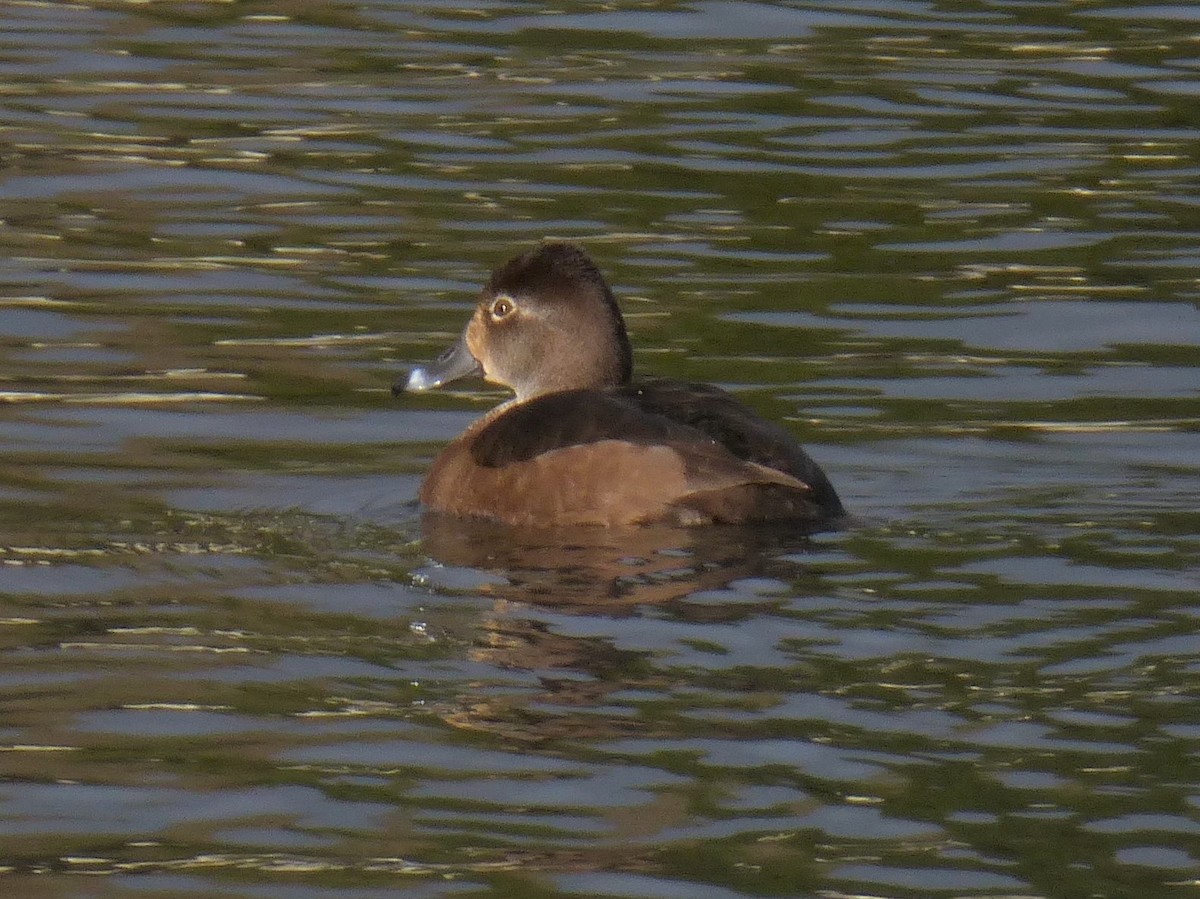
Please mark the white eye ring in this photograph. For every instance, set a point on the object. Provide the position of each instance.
(501, 306)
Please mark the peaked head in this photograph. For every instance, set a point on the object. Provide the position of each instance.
(545, 321)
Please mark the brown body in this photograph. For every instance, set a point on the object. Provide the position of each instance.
(580, 444)
(613, 482)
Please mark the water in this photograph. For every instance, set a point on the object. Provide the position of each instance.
(953, 246)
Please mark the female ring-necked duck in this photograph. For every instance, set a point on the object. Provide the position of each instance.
(580, 444)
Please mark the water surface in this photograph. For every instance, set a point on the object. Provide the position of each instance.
(952, 246)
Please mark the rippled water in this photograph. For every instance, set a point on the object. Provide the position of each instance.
(952, 245)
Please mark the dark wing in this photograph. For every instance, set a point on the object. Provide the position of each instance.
(727, 420)
(659, 412)
(572, 418)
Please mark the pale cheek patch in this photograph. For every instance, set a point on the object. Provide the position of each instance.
(477, 344)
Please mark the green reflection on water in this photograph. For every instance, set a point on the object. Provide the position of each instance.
(952, 248)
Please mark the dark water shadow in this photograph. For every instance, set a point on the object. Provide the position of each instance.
(597, 611)
(614, 570)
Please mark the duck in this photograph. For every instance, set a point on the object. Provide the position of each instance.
(581, 443)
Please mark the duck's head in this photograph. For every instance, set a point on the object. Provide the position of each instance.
(546, 321)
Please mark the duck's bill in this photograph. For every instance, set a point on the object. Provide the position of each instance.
(455, 363)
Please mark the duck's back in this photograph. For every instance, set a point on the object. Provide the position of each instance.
(654, 451)
(740, 430)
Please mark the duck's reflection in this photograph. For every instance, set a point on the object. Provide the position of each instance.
(612, 570)
(696, 577)
(606, 574)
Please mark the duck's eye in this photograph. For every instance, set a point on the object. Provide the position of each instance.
(501, 307)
